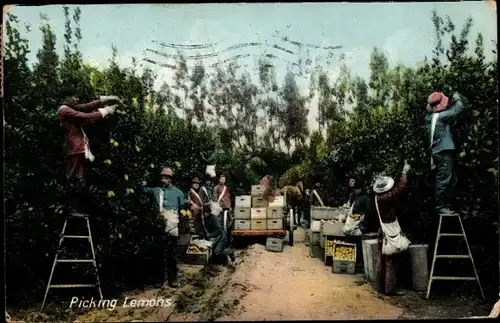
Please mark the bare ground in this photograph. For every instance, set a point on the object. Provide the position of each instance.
(270, 286)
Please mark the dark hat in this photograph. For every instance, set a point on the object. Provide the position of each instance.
(195, 179)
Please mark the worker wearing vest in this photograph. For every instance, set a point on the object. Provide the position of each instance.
(440, 120)
(196, 202)
(168, 200)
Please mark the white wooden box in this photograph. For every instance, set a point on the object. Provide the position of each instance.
(242, 213)
(279, 201)
(274, 224)
(258, 190)
(274, 212)
(274, 244)
(242, 224)
(315, 226)
(243, 201)
(258, 213)
(324, 213)
(258, 225)
(258, 201)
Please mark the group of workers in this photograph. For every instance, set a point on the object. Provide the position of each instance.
(203, 221)
(207, 201)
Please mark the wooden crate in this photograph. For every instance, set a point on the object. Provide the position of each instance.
(279, 201)
(314, 238)
(242, 224)
(258, 213)
(275, 212)
(329, 243)
(274, 244)
(340, 265)
(274, 224)
(198, 258)
(258, 201)
(258, 225)
(243, 201)
(258, 190)
(324, 213)
(242, 213)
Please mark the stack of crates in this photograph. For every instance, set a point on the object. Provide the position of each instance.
(252, 212)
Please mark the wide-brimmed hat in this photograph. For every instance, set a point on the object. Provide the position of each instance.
(437, 101)
(167, 172)
(383, 184)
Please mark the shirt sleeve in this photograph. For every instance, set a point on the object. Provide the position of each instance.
(89, 107)
(456, 108)
(397, 190)
(68, 114)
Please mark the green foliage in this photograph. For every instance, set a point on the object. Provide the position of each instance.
(222, 112)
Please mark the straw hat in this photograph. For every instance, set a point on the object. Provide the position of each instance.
(383, 184)
(437, 101)
(167, 172)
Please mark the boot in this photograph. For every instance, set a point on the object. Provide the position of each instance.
(174, 283)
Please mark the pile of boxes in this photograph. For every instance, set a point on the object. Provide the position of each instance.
(253, 212)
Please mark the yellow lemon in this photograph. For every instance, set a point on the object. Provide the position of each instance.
(111, 193)
(126, 177)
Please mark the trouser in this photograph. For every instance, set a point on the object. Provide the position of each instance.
(170, 258)
(387, 281)
(75, 181)
(445, 179)
(214, 227)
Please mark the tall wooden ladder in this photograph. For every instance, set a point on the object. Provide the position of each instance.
(57, 260)
(437, 256)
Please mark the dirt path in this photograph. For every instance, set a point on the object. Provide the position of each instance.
(288, 285)
(293, 286)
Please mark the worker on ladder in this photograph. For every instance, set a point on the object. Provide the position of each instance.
(168, 200)
(440, 120)
(72, 115)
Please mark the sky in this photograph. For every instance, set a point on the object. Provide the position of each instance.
(403, 31)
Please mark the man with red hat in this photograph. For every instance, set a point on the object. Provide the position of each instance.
(440, 120)
(168, 200)
(72, 116)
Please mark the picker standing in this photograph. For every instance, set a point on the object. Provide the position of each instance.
(391, 240)
(441, 118)
(168, 200)
(72, 116)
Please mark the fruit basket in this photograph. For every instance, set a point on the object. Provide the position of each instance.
(344, 258)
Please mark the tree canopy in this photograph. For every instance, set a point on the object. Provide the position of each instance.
(365, 127)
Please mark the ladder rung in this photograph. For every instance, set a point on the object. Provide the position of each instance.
(453, 278)
(449, 214)
(77, 237)
(75, 260)
(451, 235)
(73, 286)
(453, 256)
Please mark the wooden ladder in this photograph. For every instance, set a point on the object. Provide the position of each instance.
(57, 260)
(436, 256)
